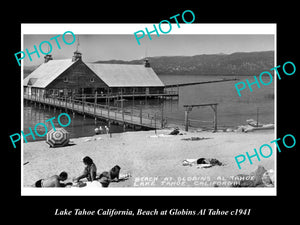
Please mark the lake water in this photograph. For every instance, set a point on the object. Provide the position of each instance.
(232, 109)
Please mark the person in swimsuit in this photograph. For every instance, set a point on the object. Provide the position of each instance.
(113, 175)
(54, 181)
(89, 171)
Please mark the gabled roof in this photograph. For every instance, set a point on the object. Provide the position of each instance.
(47, 72)
(113, 75)
(124, 75)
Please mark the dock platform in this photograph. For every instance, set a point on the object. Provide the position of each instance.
(111, 114)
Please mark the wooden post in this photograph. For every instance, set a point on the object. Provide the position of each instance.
(162, 114)
(66, 103)
(122, 108)
(83, 99)
(106, 98)
(132, 97)
(216, 118)
(214, 107)
(186, 118)
(155, 122)
(109, 131)
(95, 102)
(73, 103)
(108, 102)
(141, 112)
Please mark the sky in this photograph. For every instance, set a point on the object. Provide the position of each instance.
(125, 47)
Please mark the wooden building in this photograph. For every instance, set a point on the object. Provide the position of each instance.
(71, 77)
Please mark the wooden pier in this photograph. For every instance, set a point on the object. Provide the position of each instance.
(200, 82)
(113, 115)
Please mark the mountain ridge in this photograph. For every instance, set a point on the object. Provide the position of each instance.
(237, 63)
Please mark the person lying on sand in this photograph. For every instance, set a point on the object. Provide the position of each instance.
(105, 178)
(202, 162)
(115, 172)
(89, 171)
(54, 181)
(113, 175)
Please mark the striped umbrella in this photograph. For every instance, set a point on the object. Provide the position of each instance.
(58, 138)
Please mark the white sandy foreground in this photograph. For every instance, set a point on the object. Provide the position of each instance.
(152, 161)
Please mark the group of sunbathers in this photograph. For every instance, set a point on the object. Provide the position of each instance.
(89, 173)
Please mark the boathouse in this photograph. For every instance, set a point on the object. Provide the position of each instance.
(69, 77)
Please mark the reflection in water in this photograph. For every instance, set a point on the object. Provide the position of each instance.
(79, 127)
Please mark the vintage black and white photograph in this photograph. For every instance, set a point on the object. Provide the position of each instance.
(184, 113)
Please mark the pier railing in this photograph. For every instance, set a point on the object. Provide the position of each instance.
(120, 115)
(127, 94)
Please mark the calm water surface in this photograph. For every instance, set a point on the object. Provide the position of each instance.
(232, 109)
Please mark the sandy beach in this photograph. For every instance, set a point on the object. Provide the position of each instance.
(153, 161)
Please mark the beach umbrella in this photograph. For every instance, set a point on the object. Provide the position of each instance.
(58, 138)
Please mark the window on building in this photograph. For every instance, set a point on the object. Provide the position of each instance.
(66, 79)
(92, 79)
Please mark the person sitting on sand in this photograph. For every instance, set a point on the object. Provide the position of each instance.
(175, 131)
(54, 181)
(89, 171)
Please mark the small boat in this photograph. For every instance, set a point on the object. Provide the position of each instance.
(254, 123)
(263, 127)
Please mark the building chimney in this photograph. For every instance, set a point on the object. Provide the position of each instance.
(76, 56)
(48, 58)
(146, 62)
